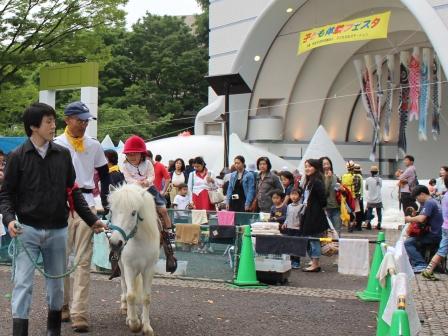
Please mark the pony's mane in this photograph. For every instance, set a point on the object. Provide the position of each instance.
(130, 197)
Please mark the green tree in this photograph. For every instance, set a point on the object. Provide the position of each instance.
(202, 23)
(122, 123)
(13, 100)
(160, 66)
(35, 31)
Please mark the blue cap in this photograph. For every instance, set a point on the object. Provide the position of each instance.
(78, 109)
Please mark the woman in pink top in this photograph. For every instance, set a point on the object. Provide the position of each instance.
(442, 252)
(200, 182)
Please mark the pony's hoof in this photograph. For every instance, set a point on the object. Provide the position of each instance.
(147, 330)
(135, 325)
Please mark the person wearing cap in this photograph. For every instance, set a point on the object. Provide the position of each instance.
(87, 156)
(39, 182)
(373, 187)
(358, 193)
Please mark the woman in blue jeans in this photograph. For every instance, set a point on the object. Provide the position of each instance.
(331, 181)
(315, 220)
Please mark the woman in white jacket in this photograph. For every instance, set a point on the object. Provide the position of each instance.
(200, 181)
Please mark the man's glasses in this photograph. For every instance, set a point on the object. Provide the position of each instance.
(80, 121)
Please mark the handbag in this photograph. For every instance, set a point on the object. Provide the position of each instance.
(216, 196)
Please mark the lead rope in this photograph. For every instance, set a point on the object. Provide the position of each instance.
(13, 252)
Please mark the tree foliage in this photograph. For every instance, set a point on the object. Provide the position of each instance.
(202, 23)
(35, 31)
(150, 76)
(159, 66)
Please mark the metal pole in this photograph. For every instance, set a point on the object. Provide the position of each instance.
(380, 157)
(227, 126)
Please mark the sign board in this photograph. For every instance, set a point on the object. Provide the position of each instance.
(365, 28)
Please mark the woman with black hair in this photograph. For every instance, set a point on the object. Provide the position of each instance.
(332, 185)
(314, 220)
(200, 182)
(266, 183)
(241, 189)
(178, 177)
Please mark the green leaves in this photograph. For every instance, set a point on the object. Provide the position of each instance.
(120, 123)
(150, 76)
(36, 31)
(159, 66)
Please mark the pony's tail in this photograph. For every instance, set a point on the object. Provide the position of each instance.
(138, 285)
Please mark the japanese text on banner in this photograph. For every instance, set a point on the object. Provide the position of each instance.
(365, 28)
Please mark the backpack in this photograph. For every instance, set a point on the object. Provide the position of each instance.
(414, 183)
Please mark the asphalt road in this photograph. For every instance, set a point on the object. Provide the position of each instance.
(312, 304)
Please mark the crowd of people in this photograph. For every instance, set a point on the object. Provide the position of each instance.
(320, 201)
(46, 174)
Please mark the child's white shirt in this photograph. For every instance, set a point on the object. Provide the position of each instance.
(181, 202)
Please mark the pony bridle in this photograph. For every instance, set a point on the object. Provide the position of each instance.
(126, 237)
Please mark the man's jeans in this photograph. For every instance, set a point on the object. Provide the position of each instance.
(412, 243)
(51, 244)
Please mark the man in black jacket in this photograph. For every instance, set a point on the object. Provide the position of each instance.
(39, 183)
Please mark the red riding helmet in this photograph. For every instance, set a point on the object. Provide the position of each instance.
(134, 144)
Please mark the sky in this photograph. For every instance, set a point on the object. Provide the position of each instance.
(138, 8)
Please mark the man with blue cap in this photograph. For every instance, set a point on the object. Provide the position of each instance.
(87, 156)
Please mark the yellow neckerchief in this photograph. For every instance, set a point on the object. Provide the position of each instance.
(114, 169)
(77, 143)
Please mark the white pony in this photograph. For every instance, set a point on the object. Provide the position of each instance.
(135, 233)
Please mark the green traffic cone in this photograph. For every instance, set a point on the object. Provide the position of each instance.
(373, 290)
(247, 275)
(400, 320)
(382, 328)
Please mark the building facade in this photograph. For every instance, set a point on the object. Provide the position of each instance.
(293, 94)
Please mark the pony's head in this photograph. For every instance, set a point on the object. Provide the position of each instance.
(132, 209)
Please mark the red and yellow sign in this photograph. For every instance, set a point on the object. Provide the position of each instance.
(365, 28)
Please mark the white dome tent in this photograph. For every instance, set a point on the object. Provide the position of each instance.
(211, 148)
(321, 145)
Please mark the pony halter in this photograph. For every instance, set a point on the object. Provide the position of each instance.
(126, 237)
